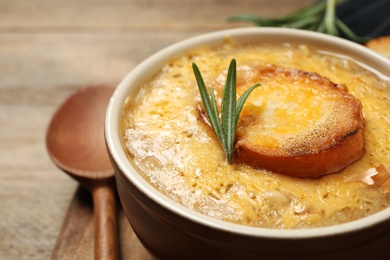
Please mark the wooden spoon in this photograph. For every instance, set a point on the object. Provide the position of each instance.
(75, 142)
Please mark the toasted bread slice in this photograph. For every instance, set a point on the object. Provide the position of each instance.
(380, 45)
(297, 123)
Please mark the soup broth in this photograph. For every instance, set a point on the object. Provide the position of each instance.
(169, 144)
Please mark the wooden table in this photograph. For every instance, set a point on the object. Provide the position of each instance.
(49, 49)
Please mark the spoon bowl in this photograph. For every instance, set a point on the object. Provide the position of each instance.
(75, 143)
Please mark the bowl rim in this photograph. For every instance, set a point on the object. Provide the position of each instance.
(146, 69)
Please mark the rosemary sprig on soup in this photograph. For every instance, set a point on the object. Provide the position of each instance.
(225, 129)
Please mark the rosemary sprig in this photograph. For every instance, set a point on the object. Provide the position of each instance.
(225, 125)
(320, 17)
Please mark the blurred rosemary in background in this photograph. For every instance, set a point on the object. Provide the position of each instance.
(319, 17)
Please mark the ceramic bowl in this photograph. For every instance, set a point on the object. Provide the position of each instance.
(171, 231)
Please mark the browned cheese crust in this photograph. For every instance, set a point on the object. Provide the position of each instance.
(275, 138)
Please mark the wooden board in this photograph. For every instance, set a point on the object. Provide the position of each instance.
(76, 238)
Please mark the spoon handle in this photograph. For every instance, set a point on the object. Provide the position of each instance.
(105, 222)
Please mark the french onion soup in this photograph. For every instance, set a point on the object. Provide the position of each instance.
(316, 121)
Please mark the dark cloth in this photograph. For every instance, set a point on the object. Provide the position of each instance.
(366, 18)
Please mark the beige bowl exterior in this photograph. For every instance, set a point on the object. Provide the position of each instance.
(171, 231)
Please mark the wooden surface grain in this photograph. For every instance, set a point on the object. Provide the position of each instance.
(49, 49)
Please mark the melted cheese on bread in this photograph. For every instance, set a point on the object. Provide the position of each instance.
(298, 123)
